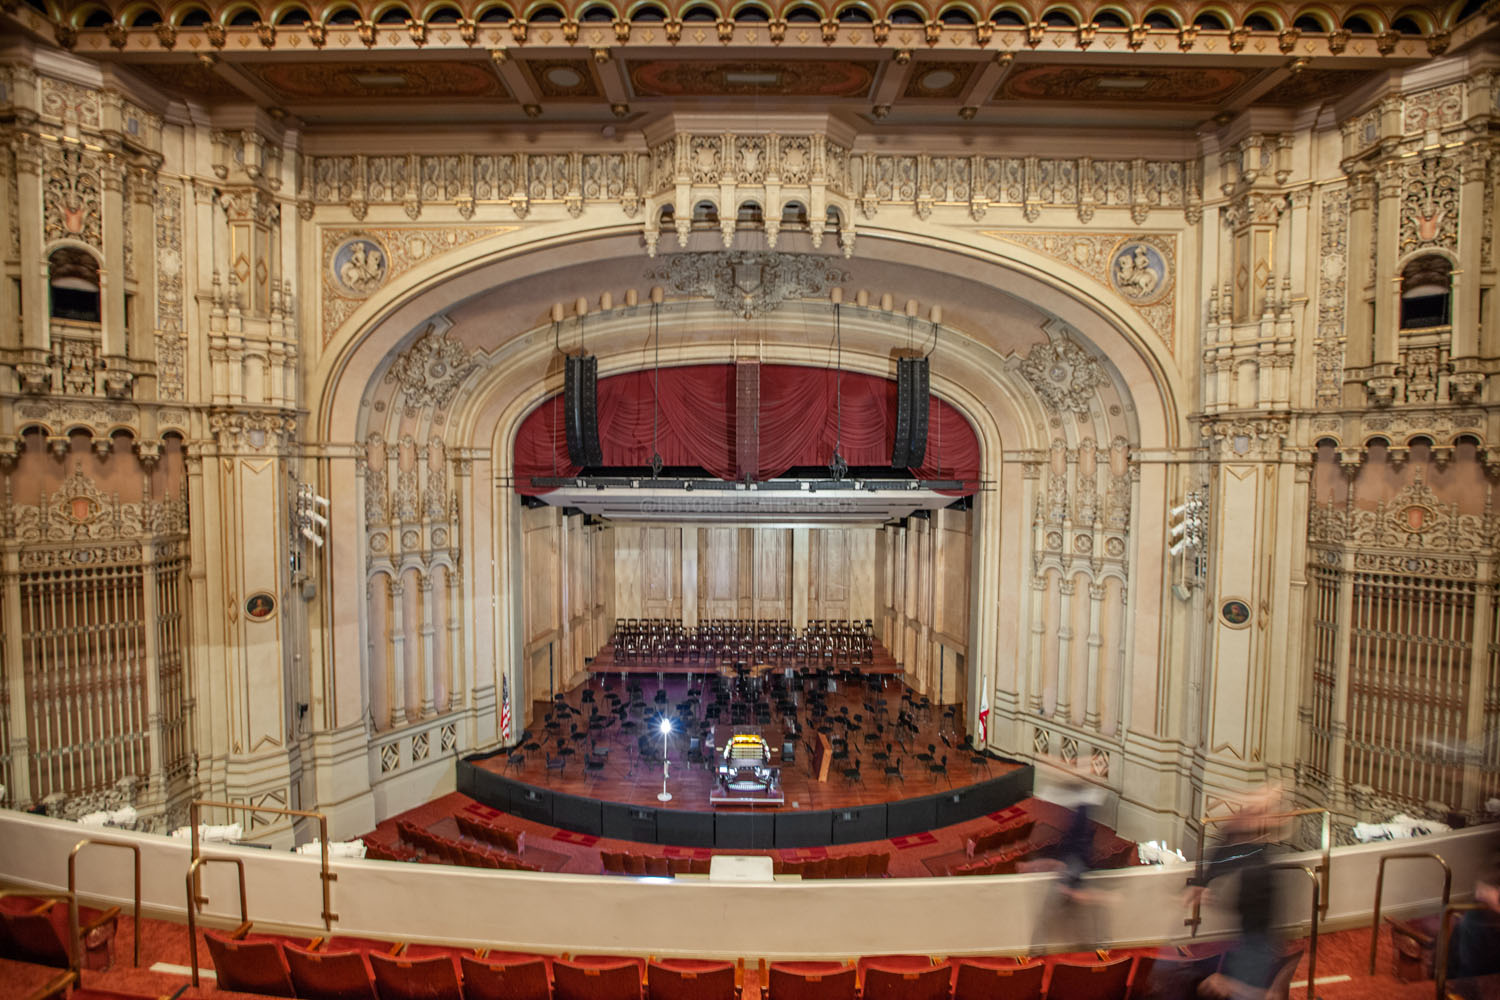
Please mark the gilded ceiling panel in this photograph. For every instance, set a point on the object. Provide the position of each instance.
(1124, 84)
(789, 78)
(371, 79)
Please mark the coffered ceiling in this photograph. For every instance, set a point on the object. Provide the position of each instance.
(892, 63)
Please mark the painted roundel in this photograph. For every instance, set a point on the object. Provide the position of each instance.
(358, 265)
(1139, 271)
(1235, 613)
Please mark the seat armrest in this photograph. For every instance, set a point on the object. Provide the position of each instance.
(103, 918)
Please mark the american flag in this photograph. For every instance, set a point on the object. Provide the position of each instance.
(505, 707)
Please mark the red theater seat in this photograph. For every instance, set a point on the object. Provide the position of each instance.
(329, 975)
(415, 978)
(594, 978)
(509, 979)
(901, 981)
(36, 930)
(811, 981)
(249, 965)
(1164, 978)
(1090, 981)
(690, 979)
(997, 979)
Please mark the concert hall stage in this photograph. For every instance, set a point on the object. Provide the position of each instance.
(619, 799)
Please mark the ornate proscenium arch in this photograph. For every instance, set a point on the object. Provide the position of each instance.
(1064, 391)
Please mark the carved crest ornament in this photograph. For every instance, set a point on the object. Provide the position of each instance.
(1063, 374)
(749, 283)
(431, 370)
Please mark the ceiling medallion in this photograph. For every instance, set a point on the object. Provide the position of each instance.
(749, 283)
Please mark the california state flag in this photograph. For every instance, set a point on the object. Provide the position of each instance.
(984, 714)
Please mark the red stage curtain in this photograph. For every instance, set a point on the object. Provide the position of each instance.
(800, 420)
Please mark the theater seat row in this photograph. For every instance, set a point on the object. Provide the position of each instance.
(848, 866)
(273, 966)
(455, 852)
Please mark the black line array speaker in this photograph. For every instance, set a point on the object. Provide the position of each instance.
(910, 446)
(580, 400)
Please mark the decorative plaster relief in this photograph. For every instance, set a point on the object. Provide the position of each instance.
(1114, 259)
(749, 283)
(65, 101)
(401, 248)
(72, 195)
(1333, 246)
(79, 510)
(1432, 109)
(1429, 196)
(171, 363)
(431, 370)
(1063, 374)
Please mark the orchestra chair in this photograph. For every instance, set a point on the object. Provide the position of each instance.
(36, 930)
(691, 979)
(510, 979)
(998, 979)
(329, 975)
(597, 978)
(1104, 980)
(888, 980)
(1159, 977)
(415, 978)
(811, 981)
(248, 965)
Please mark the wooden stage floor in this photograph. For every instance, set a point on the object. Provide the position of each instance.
(637, 782)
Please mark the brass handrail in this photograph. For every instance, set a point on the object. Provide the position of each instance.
(329, 877)
(135, 913)
(1440, 961)
(1324, 869)
(1380, 884)
(194, 900)
(56, 987)
(1312, 937)
(75, 939)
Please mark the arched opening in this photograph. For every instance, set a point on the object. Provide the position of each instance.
(73, 284)
(1426, 292)
(705, 215)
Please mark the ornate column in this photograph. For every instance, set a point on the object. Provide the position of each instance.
(1474, 168)
(428, 644)
(1359, 333)
(112, 274)
(1387, 284)
(33, 337)
(398, 652)
(1096, 642)
(1067, 589)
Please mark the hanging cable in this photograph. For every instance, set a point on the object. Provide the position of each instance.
(656, 462)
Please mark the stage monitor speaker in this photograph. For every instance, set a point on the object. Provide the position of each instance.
(580, 401)
(910, 445)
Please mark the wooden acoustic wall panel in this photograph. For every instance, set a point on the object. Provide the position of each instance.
(773, 573)
(718, 568)
(951, 598)
(661, 566)
(543, 572)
